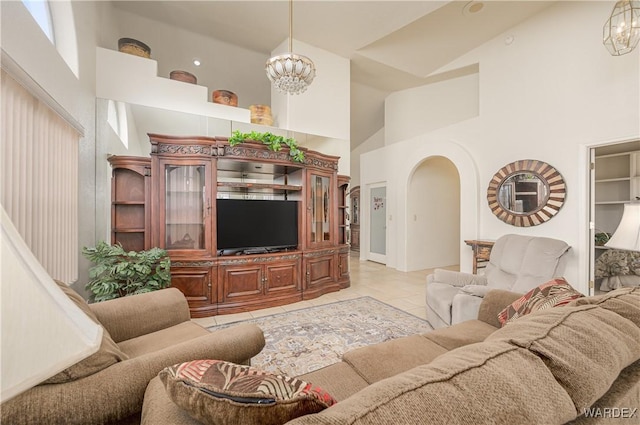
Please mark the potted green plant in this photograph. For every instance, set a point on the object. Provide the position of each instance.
(118, 273)
(272, 141)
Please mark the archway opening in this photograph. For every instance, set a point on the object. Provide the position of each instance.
(433, 215)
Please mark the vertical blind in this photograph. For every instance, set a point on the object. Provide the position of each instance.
(39, 188)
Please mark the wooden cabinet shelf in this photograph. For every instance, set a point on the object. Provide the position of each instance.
(171, 199)
(279, 187)
(128, 203)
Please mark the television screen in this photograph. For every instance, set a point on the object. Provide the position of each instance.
(247, 224)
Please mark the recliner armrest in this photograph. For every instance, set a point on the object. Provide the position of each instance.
(476, 290)
(458, 279)
(135, 315)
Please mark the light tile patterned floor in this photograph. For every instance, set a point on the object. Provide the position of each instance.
(403, 290)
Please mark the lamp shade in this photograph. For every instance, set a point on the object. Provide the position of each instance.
(627, 235)
(43, 331)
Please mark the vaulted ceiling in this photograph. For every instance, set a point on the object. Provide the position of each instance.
(392, 45)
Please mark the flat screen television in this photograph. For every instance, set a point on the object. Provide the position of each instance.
(256, 225)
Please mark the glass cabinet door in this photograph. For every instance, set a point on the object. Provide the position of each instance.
(320, 229)
(185, 206)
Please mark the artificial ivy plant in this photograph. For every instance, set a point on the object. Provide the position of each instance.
(118, 273)
(270, 140)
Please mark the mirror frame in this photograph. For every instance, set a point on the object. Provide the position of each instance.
(547, 174)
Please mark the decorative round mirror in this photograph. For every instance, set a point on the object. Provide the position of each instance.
(526, 193)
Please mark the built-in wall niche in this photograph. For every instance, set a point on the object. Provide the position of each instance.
(140, 120)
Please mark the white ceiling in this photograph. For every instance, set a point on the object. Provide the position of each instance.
(392, 45)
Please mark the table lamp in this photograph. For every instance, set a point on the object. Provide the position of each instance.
(627, 235)
(43, 331)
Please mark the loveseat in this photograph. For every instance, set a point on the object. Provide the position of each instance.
(548, 367)
(142, 335)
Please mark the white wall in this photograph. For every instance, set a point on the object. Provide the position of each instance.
(372, 143)
(324, 108)
(457, 100)
(433, 208)
(546, 96)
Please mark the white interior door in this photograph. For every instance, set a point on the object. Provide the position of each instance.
(378, 224)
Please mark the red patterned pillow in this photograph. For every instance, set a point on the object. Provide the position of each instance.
(555, 293)
(216, 392)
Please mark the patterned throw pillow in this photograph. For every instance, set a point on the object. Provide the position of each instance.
(555, 293)
(219, 392)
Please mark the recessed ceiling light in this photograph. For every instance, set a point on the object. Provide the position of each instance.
(472, 7)
(196, 61)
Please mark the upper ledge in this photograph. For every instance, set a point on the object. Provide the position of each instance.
(133, 79)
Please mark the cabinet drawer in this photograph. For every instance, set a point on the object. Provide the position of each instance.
(483, 252)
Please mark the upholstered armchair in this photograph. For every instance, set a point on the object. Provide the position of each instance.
(142, 335)
(517, 263)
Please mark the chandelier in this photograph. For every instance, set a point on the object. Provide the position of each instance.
(621, 32)
(290, 73)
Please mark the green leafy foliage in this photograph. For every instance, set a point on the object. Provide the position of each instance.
(272, 141)
(118, 273)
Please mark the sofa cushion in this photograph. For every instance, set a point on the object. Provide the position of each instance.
(584, 347)
(380, 361)
(554, 293)
(158, 340)
(215, 391)
(622, 400)
(108, 353)
(339, 379)
(623, 301)
(461, 334)
(476, 384)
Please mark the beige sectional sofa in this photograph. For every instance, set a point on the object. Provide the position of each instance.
(548, 367)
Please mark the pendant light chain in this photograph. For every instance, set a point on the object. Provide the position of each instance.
(290, 73)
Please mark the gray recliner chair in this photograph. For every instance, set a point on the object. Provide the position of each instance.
(517, 263)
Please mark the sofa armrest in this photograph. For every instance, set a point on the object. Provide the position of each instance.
(493, 303)
(458, 279)
(117, 392)
(135, 315)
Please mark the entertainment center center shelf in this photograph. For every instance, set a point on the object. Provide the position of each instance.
(245, 227)
(257, 180)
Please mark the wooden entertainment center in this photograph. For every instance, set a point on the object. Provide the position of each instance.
(169, 201)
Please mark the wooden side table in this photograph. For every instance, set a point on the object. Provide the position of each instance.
(481, 252)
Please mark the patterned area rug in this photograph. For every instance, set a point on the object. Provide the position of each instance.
(305, 340)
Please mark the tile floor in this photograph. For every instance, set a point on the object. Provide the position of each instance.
(403, 290)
